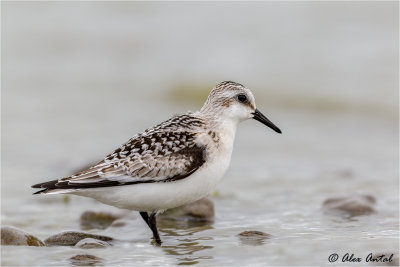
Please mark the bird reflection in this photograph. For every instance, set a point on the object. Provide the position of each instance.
(189, 246)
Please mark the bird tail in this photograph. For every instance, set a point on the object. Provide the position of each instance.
(50, 187)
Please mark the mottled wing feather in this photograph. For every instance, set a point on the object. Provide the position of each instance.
(165, 153)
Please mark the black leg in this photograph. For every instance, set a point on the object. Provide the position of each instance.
(145, 217)
(153, 227)
(152, 223)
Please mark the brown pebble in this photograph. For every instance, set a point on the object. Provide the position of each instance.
(353, 205)
(200, 210)
(97, 220)
(253, 238)
(254, 234)
(11, 236)
(85, 260)
(70, 238)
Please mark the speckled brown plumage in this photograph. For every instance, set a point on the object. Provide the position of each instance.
(164, 153)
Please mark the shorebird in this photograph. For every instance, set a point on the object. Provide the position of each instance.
(174, 163)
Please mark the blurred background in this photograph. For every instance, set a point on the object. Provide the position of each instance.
(81, 78)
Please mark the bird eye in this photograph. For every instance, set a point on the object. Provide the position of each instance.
(242, 98)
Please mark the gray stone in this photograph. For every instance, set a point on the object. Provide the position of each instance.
(85, 260)
(97, 220)
(200, 210)
(91, 243)
(11, 236)
(70, 238)
(353, 205)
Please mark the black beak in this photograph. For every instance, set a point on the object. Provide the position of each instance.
(261, 118)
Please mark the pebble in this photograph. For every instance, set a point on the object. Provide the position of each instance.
(11, 236)
(97, 220)
(85, 260)
(200, 210)
(255, 234)
(253, 238)
(353, 205)
(70, 238)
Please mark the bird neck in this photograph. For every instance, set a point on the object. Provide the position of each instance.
(221, 122)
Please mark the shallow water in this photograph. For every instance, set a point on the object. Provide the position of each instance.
(67, 101)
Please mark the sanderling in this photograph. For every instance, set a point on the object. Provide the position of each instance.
(174, 163)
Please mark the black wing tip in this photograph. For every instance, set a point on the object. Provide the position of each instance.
(37, 185)
(45, 186)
